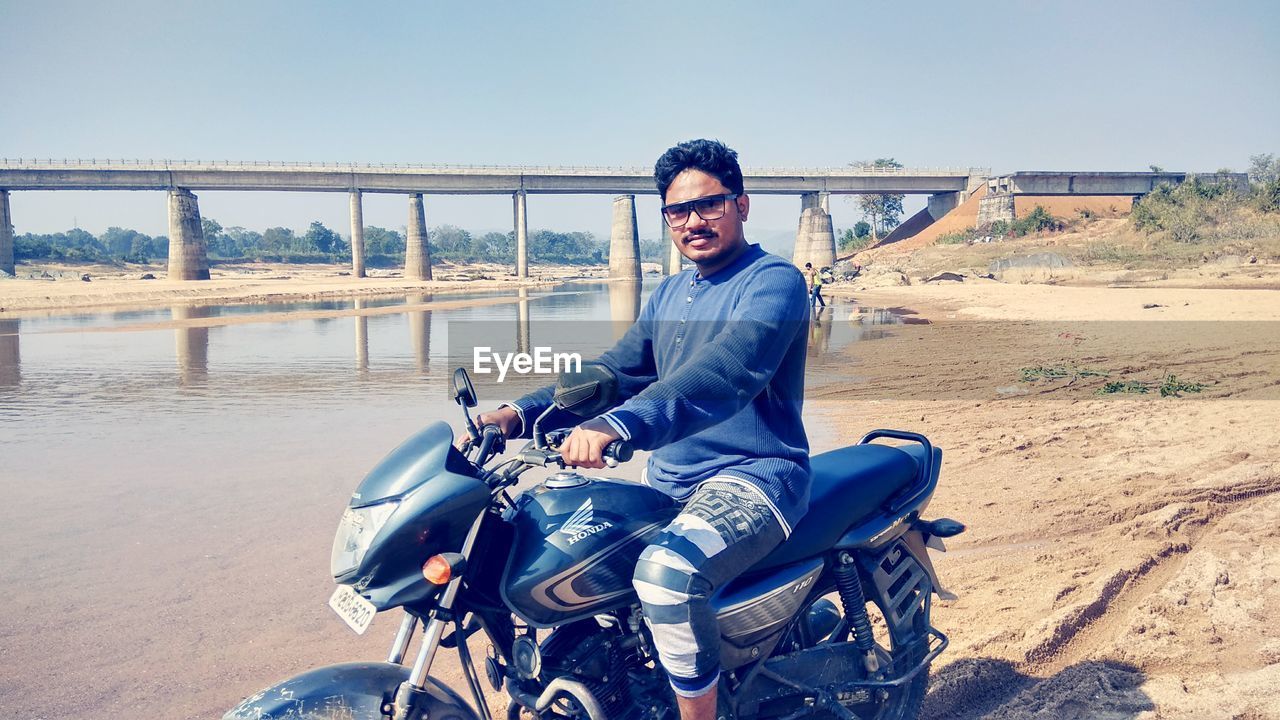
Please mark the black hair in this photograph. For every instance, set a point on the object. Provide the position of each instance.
(710, 156)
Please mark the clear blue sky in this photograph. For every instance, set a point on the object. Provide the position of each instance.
(1007, 85)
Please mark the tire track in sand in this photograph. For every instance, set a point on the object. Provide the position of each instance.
(1082, 629)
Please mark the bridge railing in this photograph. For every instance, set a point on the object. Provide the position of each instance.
(445, 168)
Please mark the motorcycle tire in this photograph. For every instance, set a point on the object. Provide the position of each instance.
(906, 647)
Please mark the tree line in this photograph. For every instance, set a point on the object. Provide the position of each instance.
(320, 244)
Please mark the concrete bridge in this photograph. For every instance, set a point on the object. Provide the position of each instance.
(815, 239)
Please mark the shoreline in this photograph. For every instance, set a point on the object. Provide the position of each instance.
(111, 288)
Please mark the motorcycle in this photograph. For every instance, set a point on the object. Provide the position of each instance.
(546, 576)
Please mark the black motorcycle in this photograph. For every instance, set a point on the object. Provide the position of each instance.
(834, 623)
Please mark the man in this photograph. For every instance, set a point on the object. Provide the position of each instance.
(712, 376)
(814, 280)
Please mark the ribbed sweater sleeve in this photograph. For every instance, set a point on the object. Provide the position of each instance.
(725, 374)
(631, 359)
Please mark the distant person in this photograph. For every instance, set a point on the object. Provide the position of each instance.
(814, 280)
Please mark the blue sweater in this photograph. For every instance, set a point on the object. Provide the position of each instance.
(712, 376)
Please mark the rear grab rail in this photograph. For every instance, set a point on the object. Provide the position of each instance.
(924, 476)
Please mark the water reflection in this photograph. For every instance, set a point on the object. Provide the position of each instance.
(362, 338)
(819, 331)
(192, 345)
(870, 323)
(522, 321)
(420, 332)
(263, 353)
(10, 357)
(624, 305)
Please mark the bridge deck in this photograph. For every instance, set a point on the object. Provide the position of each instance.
(447, 179)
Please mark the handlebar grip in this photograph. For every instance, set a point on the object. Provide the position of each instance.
(618, 451)
(491, 438)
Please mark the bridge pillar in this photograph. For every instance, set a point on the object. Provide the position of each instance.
(673, 259)
(357, 235)
(815, 238)
(624, 240)
(942, 203)
(6, 235)
(520, 210)
(417, 256)
(188, 258)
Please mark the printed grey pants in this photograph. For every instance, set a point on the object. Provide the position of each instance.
(725, 527)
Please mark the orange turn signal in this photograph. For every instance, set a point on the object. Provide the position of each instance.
(437, 569)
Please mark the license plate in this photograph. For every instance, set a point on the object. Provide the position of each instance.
(354, 610)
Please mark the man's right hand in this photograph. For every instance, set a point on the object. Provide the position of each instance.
(506, 418)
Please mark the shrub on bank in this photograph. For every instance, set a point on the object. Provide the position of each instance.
(1198, 210)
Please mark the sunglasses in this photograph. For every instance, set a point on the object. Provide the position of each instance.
(711, 207)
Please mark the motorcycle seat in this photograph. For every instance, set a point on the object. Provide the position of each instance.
(847, 486)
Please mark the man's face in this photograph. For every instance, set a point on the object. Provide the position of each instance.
(709, 244)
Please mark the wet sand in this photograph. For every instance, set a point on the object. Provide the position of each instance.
(1120, 559)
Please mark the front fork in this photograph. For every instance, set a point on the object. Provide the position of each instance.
(409, 692)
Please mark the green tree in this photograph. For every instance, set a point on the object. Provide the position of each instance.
(212, 231)
(323, 239)
(454, 243)
(573, 248)
(652, 250)
(149, 248)
(861, 229)
(851, 241)
(278, 240)
(883, 210)
(219, 241)
(32, 247)
(497, 247)
(119, 242)
(240, 242)
(381, 241)
(1264, 168)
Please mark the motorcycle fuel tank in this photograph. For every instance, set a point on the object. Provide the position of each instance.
(576, 544)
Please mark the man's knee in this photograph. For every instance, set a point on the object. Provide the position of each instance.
(664, 578)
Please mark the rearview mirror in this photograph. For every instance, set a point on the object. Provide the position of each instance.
(464, 393)
(588, 392)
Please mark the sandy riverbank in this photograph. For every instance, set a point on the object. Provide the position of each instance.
(1120, 560)
(60, 287)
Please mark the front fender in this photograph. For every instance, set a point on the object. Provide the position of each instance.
(350, 691)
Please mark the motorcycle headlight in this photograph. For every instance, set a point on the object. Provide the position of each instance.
(355, 533)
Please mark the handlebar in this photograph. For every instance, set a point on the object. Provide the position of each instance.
(492, 442)
(618, 451)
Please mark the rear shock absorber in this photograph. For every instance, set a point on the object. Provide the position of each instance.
(855, 608)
